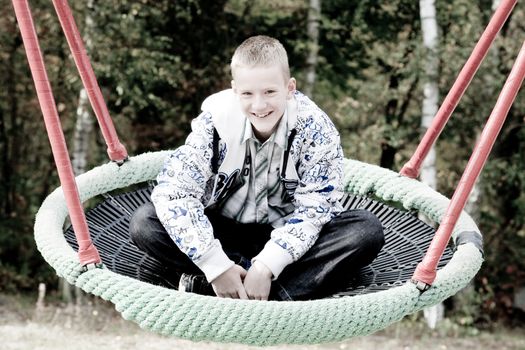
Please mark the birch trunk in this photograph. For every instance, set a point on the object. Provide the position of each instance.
(495, 4)
(429, 28)
(83, 128)
(314, 17)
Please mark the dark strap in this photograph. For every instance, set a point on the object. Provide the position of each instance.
(215, 156)
(287, 153)
(470, 237)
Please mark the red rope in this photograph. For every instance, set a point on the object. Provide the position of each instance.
(116, 151)
(412, 167)
(426, 270)
(87, 252)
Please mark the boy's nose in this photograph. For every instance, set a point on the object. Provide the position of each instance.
(259, 104)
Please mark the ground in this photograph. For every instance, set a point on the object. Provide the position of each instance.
(95, 325)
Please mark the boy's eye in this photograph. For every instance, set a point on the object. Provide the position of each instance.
(270, 92)
(246, 93)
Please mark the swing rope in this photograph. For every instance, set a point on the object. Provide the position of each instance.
(87, 253)
(412, 167)
(426, 270)
(116, 151)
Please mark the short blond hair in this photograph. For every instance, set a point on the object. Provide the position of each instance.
(263, 51)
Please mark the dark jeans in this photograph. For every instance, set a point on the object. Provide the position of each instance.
(348, 242)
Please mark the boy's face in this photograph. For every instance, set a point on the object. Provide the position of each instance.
(263, 93)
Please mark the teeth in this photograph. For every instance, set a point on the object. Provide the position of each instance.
(261, 115)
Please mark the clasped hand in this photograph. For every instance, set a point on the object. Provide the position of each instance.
(237, 283)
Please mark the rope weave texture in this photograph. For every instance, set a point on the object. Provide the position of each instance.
(199, 318)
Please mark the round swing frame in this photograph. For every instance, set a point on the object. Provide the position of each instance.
(204, 318)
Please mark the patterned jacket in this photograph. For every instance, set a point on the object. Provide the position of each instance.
(187, 183)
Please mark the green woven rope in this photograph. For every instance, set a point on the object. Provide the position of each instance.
(196, 317)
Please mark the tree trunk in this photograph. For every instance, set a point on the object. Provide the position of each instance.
(83, 128)
(431, 92)
(495, 4)
(314, 17)
(429, 28)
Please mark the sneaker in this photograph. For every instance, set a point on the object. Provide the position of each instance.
(185, 283)
(195, 284)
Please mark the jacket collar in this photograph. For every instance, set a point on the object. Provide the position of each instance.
(226, 111)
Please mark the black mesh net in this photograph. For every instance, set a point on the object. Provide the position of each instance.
(406, 241)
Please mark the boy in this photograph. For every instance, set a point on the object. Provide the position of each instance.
(251, 201)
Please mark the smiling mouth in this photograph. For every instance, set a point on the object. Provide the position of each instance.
(263, 115)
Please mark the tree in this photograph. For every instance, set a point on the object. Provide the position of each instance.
(429, 30)
(314, 16)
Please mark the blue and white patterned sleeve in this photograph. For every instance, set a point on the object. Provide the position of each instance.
(178, 199)
(316, 198)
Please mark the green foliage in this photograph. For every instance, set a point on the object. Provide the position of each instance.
(502, 216)
(380, 50)
(20, 267)
(26, 167)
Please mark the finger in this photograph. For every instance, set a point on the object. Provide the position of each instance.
(249, 293)
(242, 294)
(229, 295)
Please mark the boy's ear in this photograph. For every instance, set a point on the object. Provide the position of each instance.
(292, 85)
